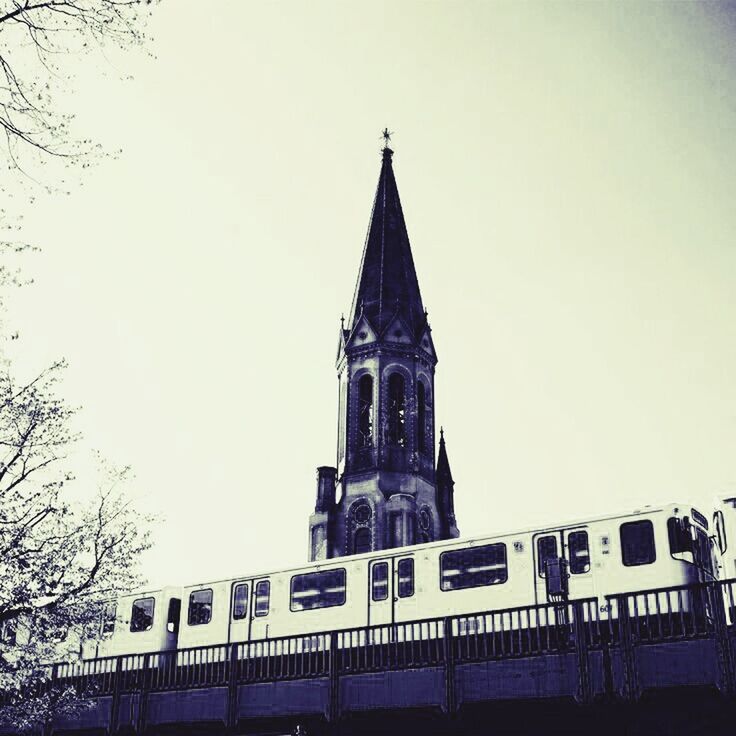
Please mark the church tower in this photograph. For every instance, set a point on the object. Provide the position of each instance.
(392, 495)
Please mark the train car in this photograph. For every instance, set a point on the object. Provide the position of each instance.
(138, 623)
(653, 547)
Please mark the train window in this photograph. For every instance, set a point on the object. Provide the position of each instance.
(263, 597)
(109, 612)
(699, 518)
(680, 537)
(318, 590)
(579, 552)
(637, 543)
(141, 615)
(546, 551)
(473, 567)
(200, 607)
(8, 633)
(240, 601)
(406, 578)
(379, 581)
(50, 630)
(720, 531)
(702, 547)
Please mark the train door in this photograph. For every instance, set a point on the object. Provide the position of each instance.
(573, 545)
(576, 550)
(405, 598)
(380, 592)
(391, 590)
(240, 610)
(260, 615)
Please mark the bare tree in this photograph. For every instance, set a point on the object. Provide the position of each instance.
(59, 561)
(36, 39)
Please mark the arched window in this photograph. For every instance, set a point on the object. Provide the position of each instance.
(361, 540)
(365, 412)
(360, 525)
(362, 513)
(425, 525)
(421, 417)
(396, 410)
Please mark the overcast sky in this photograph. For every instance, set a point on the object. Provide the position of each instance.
(567, 176)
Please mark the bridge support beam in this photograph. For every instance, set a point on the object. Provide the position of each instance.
(630, 692)
(449, 657)
(582, 646)
(333, 706)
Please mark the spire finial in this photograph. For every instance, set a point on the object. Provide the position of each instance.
(386, 135)
(442, 433)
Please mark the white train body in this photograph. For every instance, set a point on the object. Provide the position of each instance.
(655, 547)
(143, 622)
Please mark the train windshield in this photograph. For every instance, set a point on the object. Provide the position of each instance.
(689, 543)
(703, 554)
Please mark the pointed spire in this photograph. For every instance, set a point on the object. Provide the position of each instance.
(443, 473)
(387, 281)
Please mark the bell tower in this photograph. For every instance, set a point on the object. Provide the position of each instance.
(386, 427)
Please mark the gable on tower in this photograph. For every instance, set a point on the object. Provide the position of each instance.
(398, 331)
(362, 333)
(426, 343)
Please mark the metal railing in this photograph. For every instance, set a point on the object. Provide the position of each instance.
(668, 614)
(640, 617)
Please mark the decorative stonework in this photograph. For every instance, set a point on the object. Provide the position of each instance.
(391, 493)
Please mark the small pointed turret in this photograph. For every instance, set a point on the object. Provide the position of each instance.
(387, 282)
(445, 490)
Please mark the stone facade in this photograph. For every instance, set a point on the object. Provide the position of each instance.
(392, 494)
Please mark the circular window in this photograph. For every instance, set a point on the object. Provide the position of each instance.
(362, 513)
(424, 519)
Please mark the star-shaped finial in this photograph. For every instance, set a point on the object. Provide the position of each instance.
(386, 134)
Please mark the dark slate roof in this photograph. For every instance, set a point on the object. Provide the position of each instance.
(387, 281)
(443, 474)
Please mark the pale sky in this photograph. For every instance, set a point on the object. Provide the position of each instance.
(567, 176)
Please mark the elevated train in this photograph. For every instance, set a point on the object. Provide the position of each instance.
(654, 547)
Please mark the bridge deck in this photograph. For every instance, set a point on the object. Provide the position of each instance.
(573, 654)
